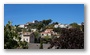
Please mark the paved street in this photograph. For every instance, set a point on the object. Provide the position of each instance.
(37, 46)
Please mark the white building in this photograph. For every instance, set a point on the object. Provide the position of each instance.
(21, 26)
(33, 30)
(60, 25)
(27, 36)
(56, 26)
(48, 32)
(43, 34)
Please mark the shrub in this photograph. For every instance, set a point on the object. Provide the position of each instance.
(69, 39)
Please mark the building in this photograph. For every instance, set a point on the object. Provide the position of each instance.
(21, 26)
(35, 21)
(48, 32)
(33, 30)
(27, 36)
(61, 26)
(25, 25)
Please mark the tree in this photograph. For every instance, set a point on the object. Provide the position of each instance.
(49, 21)
(18, 29)
(69, 39)
(46, 22)
(36, 34)
(11, 37)
(58, 30)
(55, 23)
(47, 38)
(82, 25)
(23, 45)
(50, 26)
(75, 25)
(40, 25)
(9, 34)
(41, 43)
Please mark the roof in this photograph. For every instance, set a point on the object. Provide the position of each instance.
(19, 32)
(49, 29)
(45, 32)
(29, 22)
(27, 33)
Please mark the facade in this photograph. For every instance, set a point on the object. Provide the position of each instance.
(33, 30)
(25, 25)
(43, 34)
(48, 32)
(56, 26)
(21, 26)
(35, 21)
(60, 25)
(27, 36)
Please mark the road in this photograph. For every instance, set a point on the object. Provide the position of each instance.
(37, 46)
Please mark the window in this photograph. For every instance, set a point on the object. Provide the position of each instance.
(42, 34)
(23, 39)
(49, 34)
(26, 39)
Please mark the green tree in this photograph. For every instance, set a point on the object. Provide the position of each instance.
(9, 34)
(58, 30)
(46, 22)
(18, 29)
(69, 39)
(82, 26)
(41, 43)
(47, 38)
(55, 23)
(39, 26)
(11, 37)
(75, 25)
(51, 26)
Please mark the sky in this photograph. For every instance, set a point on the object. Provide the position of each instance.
(62, 13)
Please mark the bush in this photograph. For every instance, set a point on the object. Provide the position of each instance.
(41, 44)
(69, 39)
